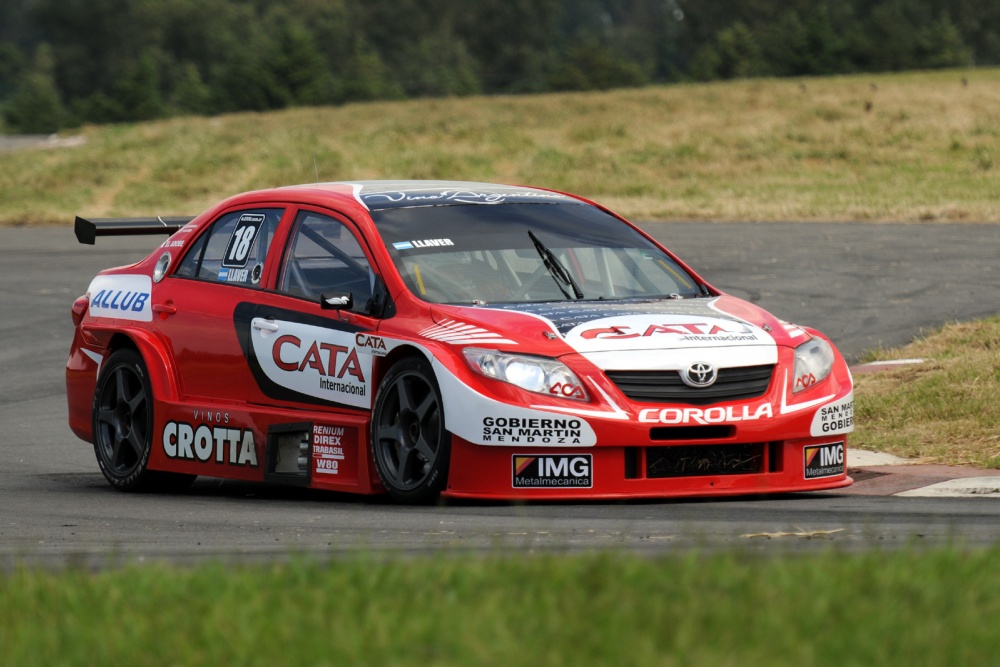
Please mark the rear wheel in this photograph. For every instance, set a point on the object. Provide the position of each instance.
(410, 446)
(123, 426)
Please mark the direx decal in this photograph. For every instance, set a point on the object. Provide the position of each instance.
(703, 416)
(547, 471)
(121, 296)
(837, 417)
(823, 460)
(208, 444)
(319, 362)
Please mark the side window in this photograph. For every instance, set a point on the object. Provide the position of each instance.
(324, 256)
(234, 249)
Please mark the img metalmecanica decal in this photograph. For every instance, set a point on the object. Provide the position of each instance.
(553, 471)
(824, 460)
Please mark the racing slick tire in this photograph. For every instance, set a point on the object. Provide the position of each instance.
(123, 426)
(410, 446)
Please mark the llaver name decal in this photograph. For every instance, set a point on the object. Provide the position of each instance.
(207, 444)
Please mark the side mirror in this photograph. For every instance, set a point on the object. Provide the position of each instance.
(336, 301)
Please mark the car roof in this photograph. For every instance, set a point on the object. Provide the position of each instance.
(385, 194)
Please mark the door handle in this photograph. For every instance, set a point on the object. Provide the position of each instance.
(261, 324)
(164, 310)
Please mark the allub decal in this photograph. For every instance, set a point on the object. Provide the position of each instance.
(552, 471)
(121, 296)
(315, 361)
(823, 460)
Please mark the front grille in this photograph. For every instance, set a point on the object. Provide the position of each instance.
(732, 384)
(698, 460)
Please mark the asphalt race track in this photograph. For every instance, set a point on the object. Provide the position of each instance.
(864, 284)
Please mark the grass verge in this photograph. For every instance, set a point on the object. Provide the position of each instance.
(932, 608)
(913, 146)
(944, 410)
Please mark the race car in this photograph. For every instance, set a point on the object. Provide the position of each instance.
(428, 338)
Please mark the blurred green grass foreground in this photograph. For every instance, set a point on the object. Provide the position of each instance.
(878, 608)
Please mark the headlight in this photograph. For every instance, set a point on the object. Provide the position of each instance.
(538, 374)
(813, 362)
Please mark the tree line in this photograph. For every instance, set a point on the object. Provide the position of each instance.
(67, 62)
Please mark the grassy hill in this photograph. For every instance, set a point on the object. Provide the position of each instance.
(915, 146)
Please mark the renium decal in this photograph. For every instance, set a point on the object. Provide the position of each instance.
(837, 417)
(208, 444)
(121, 296)
(549, 471)
(460, 333)
(315, 361)
(823, 460)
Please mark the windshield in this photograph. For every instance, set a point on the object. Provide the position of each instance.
(515, 253)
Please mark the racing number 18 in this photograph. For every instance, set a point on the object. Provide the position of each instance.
(241, 243)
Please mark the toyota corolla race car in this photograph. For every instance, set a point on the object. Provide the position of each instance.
(422, 338)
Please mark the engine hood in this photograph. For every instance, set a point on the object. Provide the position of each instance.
(649, 333)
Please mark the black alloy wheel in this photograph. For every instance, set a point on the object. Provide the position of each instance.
(123, 426)
(411, 447)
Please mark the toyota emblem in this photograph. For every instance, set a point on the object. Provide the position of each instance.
(700, 374)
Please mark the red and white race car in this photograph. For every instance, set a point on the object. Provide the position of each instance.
(419, 338)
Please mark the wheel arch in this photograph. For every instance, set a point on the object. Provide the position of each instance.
(160, 366)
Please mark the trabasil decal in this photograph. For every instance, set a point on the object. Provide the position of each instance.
(209, 444)
(315, 361)
(835, 418)
(548, 471)
(121, 296)
(823, 460)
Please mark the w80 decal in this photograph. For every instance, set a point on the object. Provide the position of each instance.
(242, 241)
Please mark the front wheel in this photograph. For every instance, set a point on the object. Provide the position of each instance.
(123, 426)
(410, 445)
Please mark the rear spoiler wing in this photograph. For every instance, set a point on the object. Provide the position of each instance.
(88, 230)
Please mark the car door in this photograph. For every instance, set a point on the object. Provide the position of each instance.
(300, 351)
(196, 306)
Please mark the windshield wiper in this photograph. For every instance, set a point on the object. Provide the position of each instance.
(556, 269)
